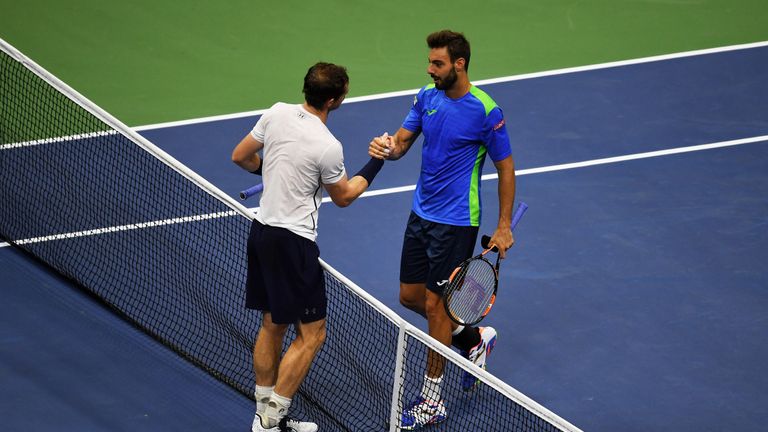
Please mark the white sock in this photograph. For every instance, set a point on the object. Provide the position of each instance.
(276, 409)
(431, 389)
(262, 395)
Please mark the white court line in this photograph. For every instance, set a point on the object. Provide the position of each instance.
(76, 137)
(388, 191)
(481, 82)
(129, 227)
(589, 163)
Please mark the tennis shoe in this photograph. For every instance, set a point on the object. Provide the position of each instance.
(422, 412)
(479, 356)
(286, 424)
(257, 425)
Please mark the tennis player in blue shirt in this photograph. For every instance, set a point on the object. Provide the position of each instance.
(461, 125)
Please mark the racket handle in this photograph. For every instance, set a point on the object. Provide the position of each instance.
(251, 191)
(521, 208)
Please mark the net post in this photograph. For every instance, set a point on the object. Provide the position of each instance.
(397, 382)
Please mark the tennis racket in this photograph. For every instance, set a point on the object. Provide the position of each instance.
(251, 191)
(473, 284)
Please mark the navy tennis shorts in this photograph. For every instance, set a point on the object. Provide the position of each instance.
(431, 251)
(284, 275)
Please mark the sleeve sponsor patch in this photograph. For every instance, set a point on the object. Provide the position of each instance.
(499, 125)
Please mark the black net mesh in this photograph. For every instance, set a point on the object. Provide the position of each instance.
(169, 256)
(481, 409)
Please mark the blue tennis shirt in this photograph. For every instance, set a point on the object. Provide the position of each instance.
(457, 135)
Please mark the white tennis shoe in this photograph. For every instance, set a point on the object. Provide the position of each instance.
(479, 356)
(286, 424)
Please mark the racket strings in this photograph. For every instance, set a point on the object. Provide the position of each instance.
(473, 289)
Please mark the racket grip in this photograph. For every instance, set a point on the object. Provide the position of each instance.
(521, 208)
(251, 191)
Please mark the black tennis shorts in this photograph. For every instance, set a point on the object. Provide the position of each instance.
(431, 251)
(284, 275)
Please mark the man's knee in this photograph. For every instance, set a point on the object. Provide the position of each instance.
(408, 301)
(412, 296)
(272, 328)
(318, 337)
(433, 305)
(313, 334)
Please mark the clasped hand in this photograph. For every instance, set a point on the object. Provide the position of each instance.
(381, 146)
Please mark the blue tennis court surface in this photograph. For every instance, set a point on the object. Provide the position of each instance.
(68, 363)
(634, 300)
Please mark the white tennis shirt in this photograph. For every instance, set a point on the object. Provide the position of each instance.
(300, 154)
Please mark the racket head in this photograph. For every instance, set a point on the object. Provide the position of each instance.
(471, 291)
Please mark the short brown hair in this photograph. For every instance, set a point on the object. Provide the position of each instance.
(324, 81)
(457, 44)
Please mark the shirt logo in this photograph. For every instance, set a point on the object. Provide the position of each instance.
(431, 111)
(499, 125)
(442, 282)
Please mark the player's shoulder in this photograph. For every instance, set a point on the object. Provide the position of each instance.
(483, 99)
(282, 107)
(428, 91)
(274, 111)
(429, 88)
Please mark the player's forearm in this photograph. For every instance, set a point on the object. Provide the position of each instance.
(246, 155)
(506, 170)
(506, 198)
(357, 185)
(354, 187)
(250, 163)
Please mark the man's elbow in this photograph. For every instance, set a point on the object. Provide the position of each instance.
(342, 201)
(238, 158)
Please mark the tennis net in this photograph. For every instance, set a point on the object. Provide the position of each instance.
(165, 249)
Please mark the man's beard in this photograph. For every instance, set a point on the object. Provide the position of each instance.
(447, 82)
